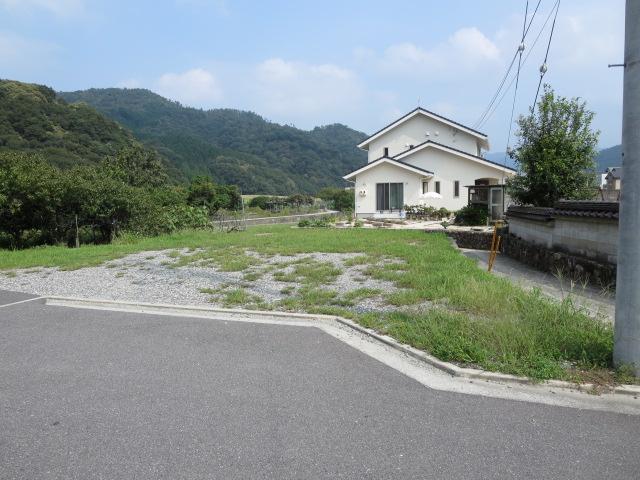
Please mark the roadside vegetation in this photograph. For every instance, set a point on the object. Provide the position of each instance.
(125, 193)
(445, 304)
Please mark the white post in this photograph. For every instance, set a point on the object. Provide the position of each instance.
(626, 348)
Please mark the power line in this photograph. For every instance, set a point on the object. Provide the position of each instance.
(513, 79)
(543, 67)
(506, 75)
(495, 95)
(515, 91)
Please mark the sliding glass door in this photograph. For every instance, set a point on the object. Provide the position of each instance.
(389, 196)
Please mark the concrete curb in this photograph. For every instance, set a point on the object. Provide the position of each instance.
(305, 319)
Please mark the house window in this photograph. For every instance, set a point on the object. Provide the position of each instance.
(456, 188)
(389, 196)
(437, 187)
(386, 151)
(425, 187)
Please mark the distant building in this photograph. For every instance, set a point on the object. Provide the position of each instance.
(612, 186)
(613, 178)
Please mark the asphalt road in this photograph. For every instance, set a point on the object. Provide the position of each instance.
(89, 394)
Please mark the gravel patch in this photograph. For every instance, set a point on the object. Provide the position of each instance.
(155, 277)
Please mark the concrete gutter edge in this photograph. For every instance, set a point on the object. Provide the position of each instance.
(305, 319)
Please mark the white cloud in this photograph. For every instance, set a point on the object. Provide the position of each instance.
(299, 91)
(467, 49)
(474, 45)
(59, 8)
(196, 87)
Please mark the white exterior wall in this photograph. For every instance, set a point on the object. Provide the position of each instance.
(385, 173)
(413, 132)
(447, 168)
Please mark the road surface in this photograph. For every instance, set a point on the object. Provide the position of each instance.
(88, 394)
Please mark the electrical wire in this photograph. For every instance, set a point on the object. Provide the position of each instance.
(543, 67)
(506, 75)
(515, 91)
(513, 79)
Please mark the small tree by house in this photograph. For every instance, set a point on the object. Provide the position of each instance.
(555, 153)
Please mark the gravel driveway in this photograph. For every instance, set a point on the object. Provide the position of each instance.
(167, 277)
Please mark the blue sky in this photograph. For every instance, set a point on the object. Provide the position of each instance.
(361, 63)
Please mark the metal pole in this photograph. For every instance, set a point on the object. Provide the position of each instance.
(626, 348)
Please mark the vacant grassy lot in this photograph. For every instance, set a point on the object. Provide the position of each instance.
(474, 318)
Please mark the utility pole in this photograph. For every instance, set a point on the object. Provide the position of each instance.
(626, 348)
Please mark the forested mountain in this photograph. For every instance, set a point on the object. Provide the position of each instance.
(34, 119)
(609, 157)
(232, 146)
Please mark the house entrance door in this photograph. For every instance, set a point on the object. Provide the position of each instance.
(496, 203)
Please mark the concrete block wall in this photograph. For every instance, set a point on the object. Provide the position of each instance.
(592, 238)
(538, 232)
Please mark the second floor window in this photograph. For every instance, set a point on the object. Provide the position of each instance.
(437, 187)
(456, 188)
(386, 151)
(425, 187)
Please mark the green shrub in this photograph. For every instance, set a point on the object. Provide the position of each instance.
(472, 215)
(39, 203)
(338, 198)
(259, 202)
(323, 222)
(426, 212)
(299, 199)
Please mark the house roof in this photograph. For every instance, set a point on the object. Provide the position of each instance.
(391, 161)
(455, 151)
(421, 111)
(567, 208)
(586, 208)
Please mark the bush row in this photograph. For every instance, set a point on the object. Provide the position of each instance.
(41, 204)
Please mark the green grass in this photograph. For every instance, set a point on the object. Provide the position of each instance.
(477, 319)
(235, 297)
(309, 271)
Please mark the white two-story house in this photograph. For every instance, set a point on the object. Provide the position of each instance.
(426, 159)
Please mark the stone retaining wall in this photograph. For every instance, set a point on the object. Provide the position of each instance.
(471, 239)
(577, 268)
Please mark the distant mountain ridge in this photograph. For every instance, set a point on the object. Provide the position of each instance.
(232, 146)
(607, 157)
(34, 119)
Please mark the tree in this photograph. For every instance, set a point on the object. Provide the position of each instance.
(555, 153)
(137, 167)
(340, 198)
(204, 192)
(29, 196)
